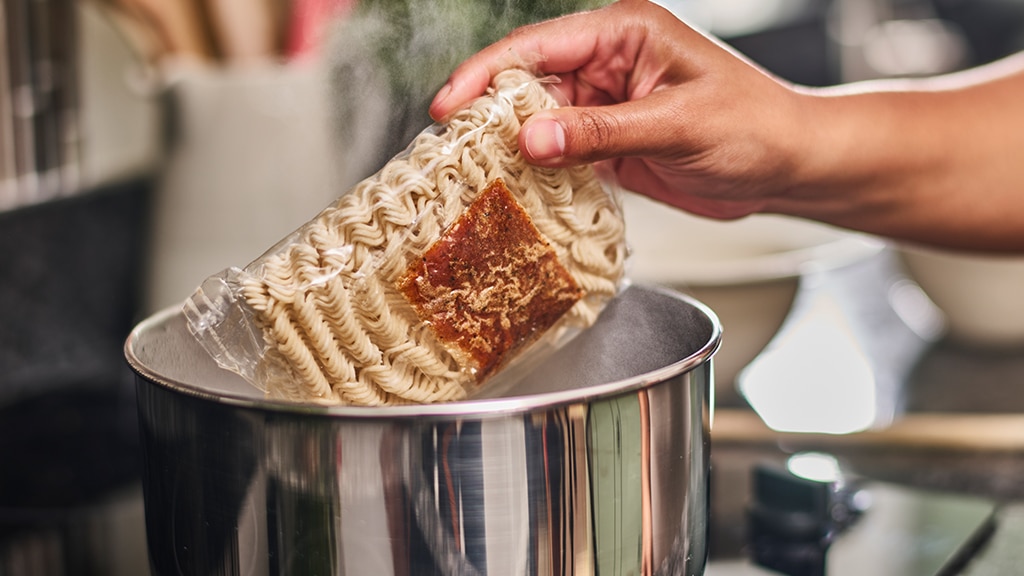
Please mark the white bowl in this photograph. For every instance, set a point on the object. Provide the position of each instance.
(746, 270)
(982, 296)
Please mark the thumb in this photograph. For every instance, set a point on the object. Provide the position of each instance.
(576, 135)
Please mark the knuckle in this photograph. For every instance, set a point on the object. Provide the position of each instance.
(596, 130)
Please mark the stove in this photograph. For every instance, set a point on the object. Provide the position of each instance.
(932, 486)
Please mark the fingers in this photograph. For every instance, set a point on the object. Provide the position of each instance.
(551, 47)
(576, 135)
(467, 82)
(472, 77)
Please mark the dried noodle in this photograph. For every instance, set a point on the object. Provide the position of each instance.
(334, 327)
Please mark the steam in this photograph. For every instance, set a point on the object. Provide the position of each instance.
(389, 58)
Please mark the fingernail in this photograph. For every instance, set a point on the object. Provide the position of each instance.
(544, 139)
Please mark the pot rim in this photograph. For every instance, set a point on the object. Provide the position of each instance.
(462, 408)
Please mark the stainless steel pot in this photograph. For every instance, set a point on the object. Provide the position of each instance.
(598, 464)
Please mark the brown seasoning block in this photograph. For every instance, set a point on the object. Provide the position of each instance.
(491, 283)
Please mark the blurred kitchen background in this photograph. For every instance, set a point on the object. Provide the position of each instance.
(147, 144)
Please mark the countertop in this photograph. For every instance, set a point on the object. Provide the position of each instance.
(949, 422)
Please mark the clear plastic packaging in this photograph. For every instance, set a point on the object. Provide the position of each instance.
(452, 266)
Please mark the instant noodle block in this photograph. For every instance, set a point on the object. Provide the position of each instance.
(449, 269)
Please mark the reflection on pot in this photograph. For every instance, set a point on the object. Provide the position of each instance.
(617, 486)
(597, 479)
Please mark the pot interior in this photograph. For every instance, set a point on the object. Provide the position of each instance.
(644, 336)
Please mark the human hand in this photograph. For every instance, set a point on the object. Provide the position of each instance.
(681, 118)
(674, 114)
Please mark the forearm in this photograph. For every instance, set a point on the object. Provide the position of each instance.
(938, 161)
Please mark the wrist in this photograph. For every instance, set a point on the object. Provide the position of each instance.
(858, 161)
